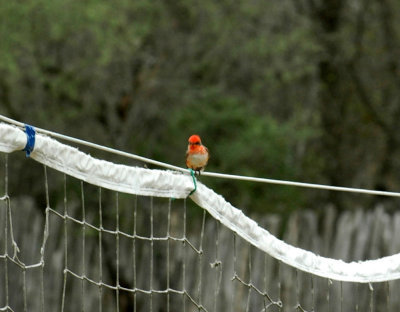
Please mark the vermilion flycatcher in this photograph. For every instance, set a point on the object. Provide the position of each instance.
(196, 154)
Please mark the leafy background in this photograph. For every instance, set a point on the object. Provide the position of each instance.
(303, 90)
(298, 90)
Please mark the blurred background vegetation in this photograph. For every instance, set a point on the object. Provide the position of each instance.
(304, 90)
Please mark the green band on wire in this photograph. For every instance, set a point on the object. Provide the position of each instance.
(194, 182)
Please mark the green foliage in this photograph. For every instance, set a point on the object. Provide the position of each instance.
(276, 89)
(241, 142)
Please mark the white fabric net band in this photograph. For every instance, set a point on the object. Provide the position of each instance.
(164, 183)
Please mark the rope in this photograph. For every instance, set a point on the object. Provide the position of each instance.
(208, 174)
(194, 182)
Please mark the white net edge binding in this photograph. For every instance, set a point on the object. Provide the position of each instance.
(162, 183)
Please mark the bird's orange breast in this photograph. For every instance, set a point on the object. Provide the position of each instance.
(197, 157)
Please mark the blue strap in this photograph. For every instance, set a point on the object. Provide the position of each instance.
(30, 141)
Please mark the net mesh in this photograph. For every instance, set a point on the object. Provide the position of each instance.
(83, 248)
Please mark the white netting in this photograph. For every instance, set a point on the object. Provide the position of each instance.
(159, 183)
(128, 239)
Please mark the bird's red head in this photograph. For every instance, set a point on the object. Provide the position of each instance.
(194, 139)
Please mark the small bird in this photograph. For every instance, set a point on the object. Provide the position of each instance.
(197, 154)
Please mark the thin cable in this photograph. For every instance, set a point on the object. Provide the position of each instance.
(207, 174)
(96, 146)
(301, 184)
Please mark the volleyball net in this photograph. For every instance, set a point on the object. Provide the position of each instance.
(112, 237)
